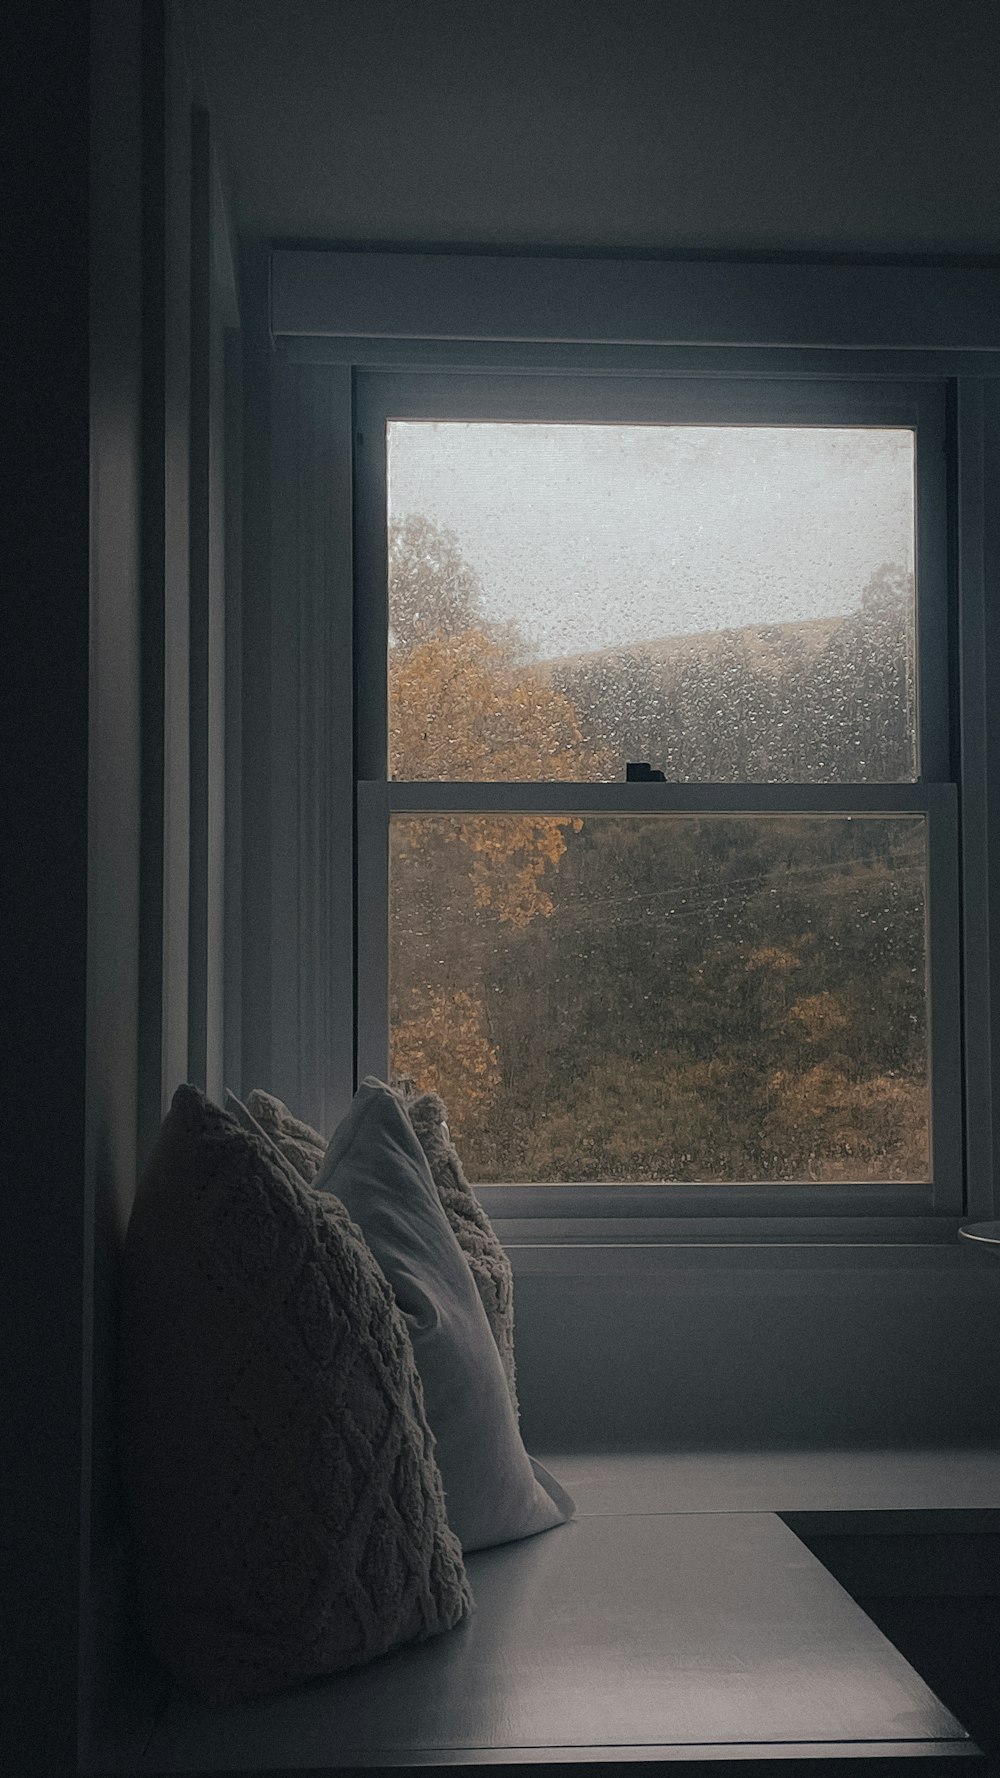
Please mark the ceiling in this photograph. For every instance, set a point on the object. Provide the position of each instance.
(725, 126)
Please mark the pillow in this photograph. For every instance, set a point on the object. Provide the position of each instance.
(298, 1142)
(286, 1511)
(247, 1121)
(473, 1230)
(377, 1167)
(475, 1234)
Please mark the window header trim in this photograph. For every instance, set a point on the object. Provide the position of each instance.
(557, 300)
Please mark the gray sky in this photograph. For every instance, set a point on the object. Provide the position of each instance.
(592, 536)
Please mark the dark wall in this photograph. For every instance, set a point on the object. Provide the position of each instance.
(114, 777)
(43, 710)
(756, 1348)
(113, 1054)
(726, 126)
(171, 870)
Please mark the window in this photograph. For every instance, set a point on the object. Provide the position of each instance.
(730, 989)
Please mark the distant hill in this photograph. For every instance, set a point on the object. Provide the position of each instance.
(767, 644)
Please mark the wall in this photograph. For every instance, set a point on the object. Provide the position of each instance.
(726, 126)
(43, 715)
(115, 774)
(188, 577)
(757, 1348)
(173, 565)
(114, 717)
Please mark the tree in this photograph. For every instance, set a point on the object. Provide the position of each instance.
(701, 999)
(463, 705)
(433, 590)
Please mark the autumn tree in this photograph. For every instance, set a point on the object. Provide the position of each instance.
(614, 999)
(463, 705)
(434, 592)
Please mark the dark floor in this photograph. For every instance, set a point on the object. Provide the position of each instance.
(954, 1644)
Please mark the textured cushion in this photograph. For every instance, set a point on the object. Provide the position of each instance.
(475, 1234)
(286, 1508)
(298, 1142)
(473, 1230)
(376, 1166)
(247, 1121)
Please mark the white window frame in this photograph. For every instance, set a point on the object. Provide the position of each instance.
(321, 352)
(565, 397)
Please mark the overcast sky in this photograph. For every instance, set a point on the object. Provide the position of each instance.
(591, 536)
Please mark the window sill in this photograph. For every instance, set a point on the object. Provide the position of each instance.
(554, 1231)
(825, 1209)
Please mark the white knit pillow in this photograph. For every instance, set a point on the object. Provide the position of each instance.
(298, 1141)
(490, 1267)
(285, 1504)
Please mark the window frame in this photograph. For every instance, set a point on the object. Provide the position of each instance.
(942, 1195)
(337, 315)
(566, 398)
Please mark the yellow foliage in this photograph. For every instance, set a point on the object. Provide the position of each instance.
(773, 957)
(835, 1128)
(460, 709)
(446, 1049)
(818, 1015)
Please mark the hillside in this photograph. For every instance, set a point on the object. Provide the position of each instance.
(767, 645)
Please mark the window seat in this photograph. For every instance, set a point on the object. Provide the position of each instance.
(677, 1619)
(837, 1489)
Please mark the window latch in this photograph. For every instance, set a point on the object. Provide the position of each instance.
(641, 772)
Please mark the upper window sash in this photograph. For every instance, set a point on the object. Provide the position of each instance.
(558, 399)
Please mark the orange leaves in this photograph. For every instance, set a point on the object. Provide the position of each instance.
(773, 957)
(509, 857)
(819, 1015)
(827, 1126)
(506, 858)
(446, 1049)
(460, 710)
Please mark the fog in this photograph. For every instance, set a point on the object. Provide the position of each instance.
(592, 536)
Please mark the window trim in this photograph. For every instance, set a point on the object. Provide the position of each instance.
(568, 397)
(306, 694)
(571, 299)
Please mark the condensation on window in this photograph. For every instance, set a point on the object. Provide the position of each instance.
(727, 603)
(666, 997)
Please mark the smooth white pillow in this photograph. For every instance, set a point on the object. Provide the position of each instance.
(474, 1232)
(377, 1168)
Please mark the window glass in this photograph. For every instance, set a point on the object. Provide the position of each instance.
(728, 603)
(666, 997)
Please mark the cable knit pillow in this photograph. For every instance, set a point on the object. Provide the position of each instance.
(286, 1509)
(376, 1166)
(474, 1232)
(298, 1142)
